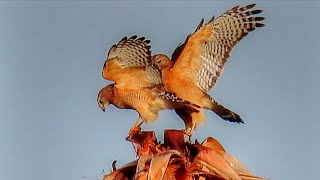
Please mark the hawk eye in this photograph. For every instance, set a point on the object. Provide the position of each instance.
(159, 61)
(100, 102)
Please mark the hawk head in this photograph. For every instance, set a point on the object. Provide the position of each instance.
(105, 96)
(161, 61)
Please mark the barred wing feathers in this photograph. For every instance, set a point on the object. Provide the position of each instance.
(203, 55)
(129, 63)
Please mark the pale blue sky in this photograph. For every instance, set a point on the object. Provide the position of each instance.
(51, 56)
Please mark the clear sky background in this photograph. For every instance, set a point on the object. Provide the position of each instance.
(51, 56)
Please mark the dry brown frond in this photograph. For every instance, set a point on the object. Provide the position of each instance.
(177, 159)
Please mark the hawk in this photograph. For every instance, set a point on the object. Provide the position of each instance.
(196, 65)
(137, 83)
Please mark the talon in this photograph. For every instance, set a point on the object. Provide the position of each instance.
(188, 132)
(128, 138)
(134, 130)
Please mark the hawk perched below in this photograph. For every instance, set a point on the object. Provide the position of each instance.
(137, 83)
(196, 65)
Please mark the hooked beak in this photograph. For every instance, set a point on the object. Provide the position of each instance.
(103, 106)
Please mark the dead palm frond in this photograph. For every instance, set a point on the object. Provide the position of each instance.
(177, 159)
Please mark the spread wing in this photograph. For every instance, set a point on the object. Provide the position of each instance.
(129, 63)
(202, 56)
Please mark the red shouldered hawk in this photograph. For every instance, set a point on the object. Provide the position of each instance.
(137, 83)
(197, 64)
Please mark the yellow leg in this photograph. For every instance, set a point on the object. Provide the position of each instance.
(189, 131)
(135, 127)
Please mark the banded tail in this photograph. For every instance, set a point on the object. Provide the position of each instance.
(225, 113)
(172, 97)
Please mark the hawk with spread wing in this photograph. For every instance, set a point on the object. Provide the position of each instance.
(196, 65)
(149, 84)
(137, 83)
